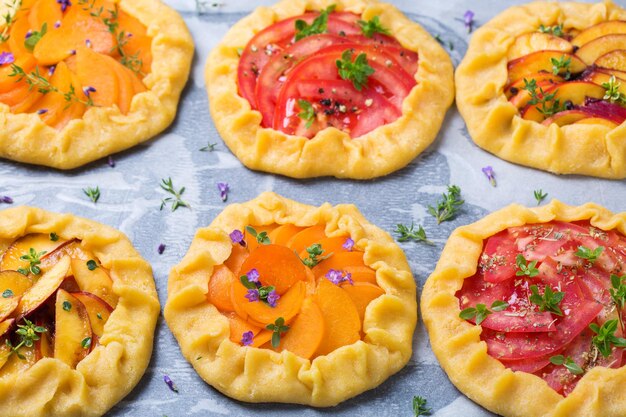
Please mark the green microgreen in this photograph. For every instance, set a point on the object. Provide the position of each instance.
(448, 206)
(589, 254)
(549, 301)
(539, 195)
(307, 112)
(372, 26)
(34, 259)
(613, 93)
(277, 329)
(319, 25)
(357, 71)
(569, 364)
(545, 103)
(28, 333)
(67, 306)
(8, 19)
(480, 312)
(92, 193)
(315, 252)
(618, 295)
(556, 30)
(560, 64)
(7, 293)
(525, 268)
(605, 337)
(35, 37)
(210, 147)
(419, 406)
(409, 233)
(176, 200)
(262, 237)
(54, 237)
(99, 316)
(91, 265)
(86, 343)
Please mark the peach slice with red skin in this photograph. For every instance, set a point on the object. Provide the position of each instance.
(38, 241)
(521, 99)
(567, 117)
(14, 365)
(518, 85)
(72, 338)
(97, 309)
(613, 61)
(597, 121)
(594, 49)
(15, 282)
(575, 92)
(8, 306)
(528, 43)
(542, 61)
(96, 282)
(43, 289)
(611, 27)
(599, 78)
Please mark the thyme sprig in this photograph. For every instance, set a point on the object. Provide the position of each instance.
(419, 406)
(176, 200)
(28, 333)
(605, 337)
(315, 252)
(545, 103)
(539, 195)
(92, 193)
(448, 206)
(34, 260)
(562, 64)
(9, 19)
(613, 93)
(409, 233)
(549, 301)
(556, 30)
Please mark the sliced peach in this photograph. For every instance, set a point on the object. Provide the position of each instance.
(341, 262)
(361, 294)
(74, 110)
(277, 266)
(5, 354)
(45, 12)
(283, 233)
(575, 92)
(25, 61)
(73, 336)
(237, 257)
(306, 332)
(239, 326)
(96, 282)
(261, 314)
(14, 282)
(8, 306)
(15, 365)
(40, 242)
(518, 85)
(44, 288)
(599, 78)
(307, 237)
(341, 318)
(594, 49)
(566, 117)
(219, 288)
(598, 121)
(521, 99)
(27, 102)
(95, 70)
(528, 43)
(43, 346)
(614, 60)
(69, 248)
(6, 326)
(140, 48)
(542, 61)
(611, 27)
(98, 311)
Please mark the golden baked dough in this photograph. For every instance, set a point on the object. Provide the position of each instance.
(262, 375)
(105, 130)
(495, 124)
(331, 152)
(464, 356)
(119, 359)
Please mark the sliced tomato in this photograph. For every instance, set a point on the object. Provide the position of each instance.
(498, 259)
(558, 376)
(528, 365)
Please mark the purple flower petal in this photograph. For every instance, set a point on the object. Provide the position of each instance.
(42, 111)
(252, 295)
(468, 19)
(170, 383)
(253, 275)
(223, 188)
(247, 338)
(348, 278)
(334, 276)
(491, 176)
(272, 298)
(87, 90)
(64, 4)
(6, 200)
(57, 24)
(236, 236)
(28, 34)
(51, 70)
(161, 249)
(348, 244)
(111, 161)
(6, 58)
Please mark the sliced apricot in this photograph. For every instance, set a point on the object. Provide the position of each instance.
(219, 288)
(8, 82)
(261, 314)
(130, 25)
(307, 237)
(18, 33)
(74, 110)
(362, 293)
(341, 317)
(342, 262)
(306, 332)
(277, 266)
(239, 326)
(126, 89)
(251, 242)
(52, 105)
(358, 275)
(138, 85)
(237, 257)
(330, 245)
(45, 12)
(139, 48)
(262, 338)
(95, 70)
(14, 97)
(282, 234)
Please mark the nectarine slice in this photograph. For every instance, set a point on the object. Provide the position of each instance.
(219, 288)
(341, 318)
(277, 266)
(8, 306)
(306, 332)
(594, 49)
(542, 61)
(96, 282)
(69, 248)
(73, 336)
(521, 99)
(574, 91)
(597, 121)
(612, 27)
(97, 309)
(41, 243)
(566, 117)
(14, 365)
(518, 85)
(599, 78)
(614, 60)
(43, 288)
(527, 43)
(5, 326)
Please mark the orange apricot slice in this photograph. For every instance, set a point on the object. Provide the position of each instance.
(261, 314)
(219, 288)
(341, 317)
(262, 338)
(277, 266)
(52, 105)
(130, 25)
(20, 28)
(126, 89)
(251, 242)
(139, 47)
(237, 257)
(362, 293)
(330, 245)
(75, 110)
(307, 237)
(95, 70)
(282, 234)
(341, 262)
(8, 82)
(306, 332)
(238, 327)
(46, 12)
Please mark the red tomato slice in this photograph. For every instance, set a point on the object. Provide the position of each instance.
(557, 376)
(498, 259)
(528, 365)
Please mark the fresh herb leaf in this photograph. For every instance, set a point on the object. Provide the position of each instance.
(569, 364)
(525, 268)
(419, 406)
(480, 312)
(549, 301)
(590, 255)
(92, 193)
(261, 238)
(54, 237)
(561, 64)
(605, 337)
(91, 265)
(357, 71)
(539, 195)
(34, 259)
(86, 343)
(618, 295)
(277, 329)
(210, 147)
(34, 79)
(408, 233)
(448, 206)
(613, 93)
(546, 104)
(319, 25)
(307, 112)
(372, 26)
(315, 252)
(556, 30)
(35, 37)
(176, 200)
(7, 293)
(67, 306)
(28, 333)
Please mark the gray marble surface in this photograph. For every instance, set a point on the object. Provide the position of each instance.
(131, 197)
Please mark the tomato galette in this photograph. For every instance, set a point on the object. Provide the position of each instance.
(82, 79)
(277, 301)
(78, 308)
(526, 311)
(352, 89)
(544, 85)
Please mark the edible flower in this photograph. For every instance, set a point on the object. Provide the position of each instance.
(468, 20)
(253, 275)
(348, 244)
(247, 338)
(338, 277)
(488, 171)
(64, 4)
(223, 188)
(236, 236)
(111, 162)
(42, 111)
(161, 249)
(6, 58)
(6, 200)
(87, 90)
(170, 383)
(272, 298)
(252, 295)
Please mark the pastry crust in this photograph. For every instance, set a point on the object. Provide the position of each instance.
(463, 355)
(105, 130)
(331, 152)
(114, 367)
(495, 124)
(262, 375)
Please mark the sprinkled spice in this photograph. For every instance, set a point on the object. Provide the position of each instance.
(236, 236)
(223, 188)
(168, 381)
(488, 171)
(6, 58)
(161, 249)
(348, 244)
(247, 338)
(338, 277)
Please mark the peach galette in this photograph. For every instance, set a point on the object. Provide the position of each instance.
(526, 311)
(348, 88)
(82, 79)
(544, 85)
(279, 301)
(78, 309)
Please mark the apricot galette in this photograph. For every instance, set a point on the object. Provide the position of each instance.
(544, 85)
(78, 309)
(352, 89)
(526, 311)
(82, 79)
(283, 302)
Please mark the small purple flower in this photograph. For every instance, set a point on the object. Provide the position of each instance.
(6, 58)
(223, 188)
(28, 34)
(87, 90)
(51, 70)
(42, 111)
(72, 51)
(468, 20)
(348, 244)
(64, 4)
(111, 162)
(170, 383)
(337, 277)
(236, 236)
(348, 278)
(6, 200)
(252, 295)
(253, 275)
(88, 43)
(57, 24)
(161, 249)
(272, 298)
(491, 176)
(247, 338)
